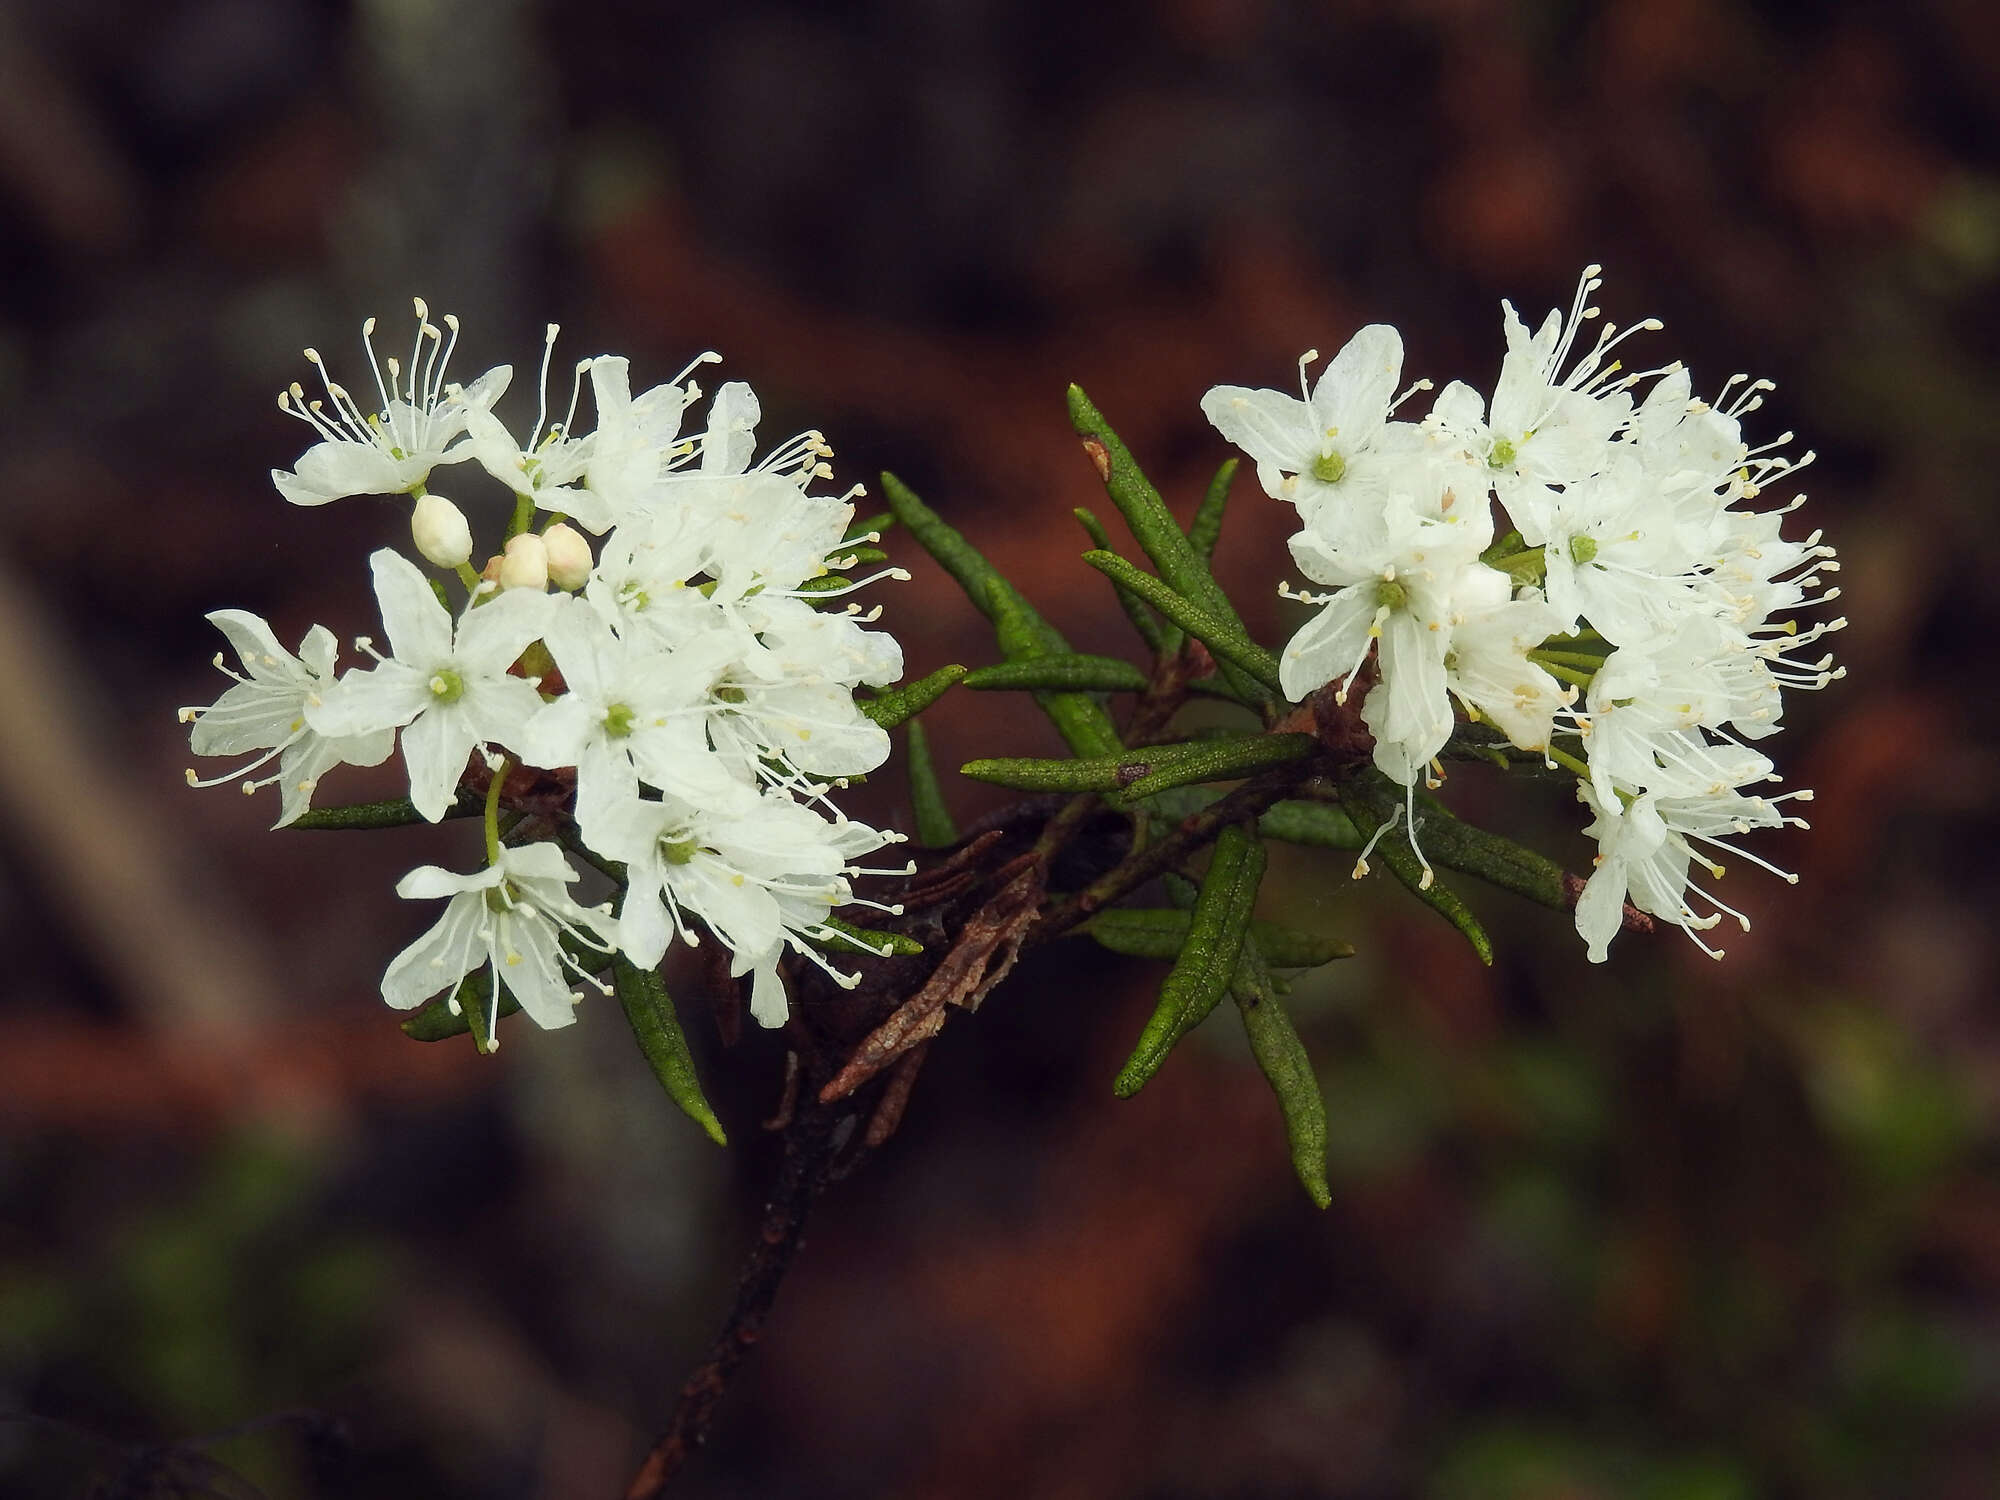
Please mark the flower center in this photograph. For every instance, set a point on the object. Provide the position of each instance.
(447, 686)
(1503, 455)
(618, 720)
(1582, 549)
(730, 694)
(1328, 468)
(502, 898)
(679, 851)
(1391, 595)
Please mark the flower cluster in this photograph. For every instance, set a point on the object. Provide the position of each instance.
(1638, 609)
(683, 673)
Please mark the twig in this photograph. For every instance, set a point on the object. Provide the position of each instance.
(809, 1150)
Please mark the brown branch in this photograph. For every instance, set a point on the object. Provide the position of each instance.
(1246, 802)
(810, 1144)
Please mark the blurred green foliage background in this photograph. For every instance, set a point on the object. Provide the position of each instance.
(1660, 1230)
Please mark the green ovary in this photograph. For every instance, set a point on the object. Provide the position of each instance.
(501, 898)
(618, 721)
(1391, 595)
(1582, 549)
(1503, 455)
(447, 686)
(1328, 468)
(679, 851)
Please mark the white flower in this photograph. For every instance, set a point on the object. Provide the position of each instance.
(760, 871)
(1400, 593)
(631, 710)
(1310, 450)
(1486, 666)
(266, 710)
(448, 690)
(546, 468)
(509, 919)
(390, 451)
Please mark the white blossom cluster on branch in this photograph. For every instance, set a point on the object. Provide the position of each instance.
(655, 620)
(1639, 606)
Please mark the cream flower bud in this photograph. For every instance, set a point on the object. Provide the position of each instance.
(440, 531)
(525, 563)
(569, 556)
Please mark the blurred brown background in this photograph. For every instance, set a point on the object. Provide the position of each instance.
(1663, 1229)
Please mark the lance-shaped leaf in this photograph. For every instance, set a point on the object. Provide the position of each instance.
(1071, 673)
(1224, 639)
(1079, 718)
(1023, 634)
(1286, 1067)
(1161, 932)
(854, 557)
(1104, 773)
(437, 1021)
(935, 827)
(1318, 825)
(394, 813)
(1162, 640)
(1222, 760)
(1153, 526)
(1207, 961)
(1206, 528)
(893, 707)
(845, 937)
(1499, 861)
(1370, 809)
(658, 1031)
(826, 583)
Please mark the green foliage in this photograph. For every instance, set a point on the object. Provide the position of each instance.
(657, 1029)
(1224, 638)
(396, 812)
(1161, 932)
(892, 708)
(1286, 1067)
(847, 938)
(935, 827)
(1370, 808)
(1206, 528)
(1207, 961)
(1072, 673)
(1161, 640)
(1149, 769)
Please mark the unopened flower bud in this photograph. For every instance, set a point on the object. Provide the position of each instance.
(440, 531)
(525, 563)
(569, 556)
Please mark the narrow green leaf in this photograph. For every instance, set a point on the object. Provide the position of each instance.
(438, 1022)
(1206, 527)
(394, 813)
(1104, 773)
(1370, 809)
(854, 557)
(935, 828)
(1160, 933)
(1207, 961)
(1287, 1068)
(1319, 825)
(1026, 774)
(1499, 861)
(826, 583)
(1162, 640)
(658, 1031)
(1222, 760)
(893, 707)
(1227, 641)
(965, 563)
(1072, 673)
(847, 938)
(1184, 568)
(1079, 718)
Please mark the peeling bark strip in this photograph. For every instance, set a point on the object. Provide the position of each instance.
(985, 951)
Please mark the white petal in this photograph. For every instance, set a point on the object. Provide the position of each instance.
(418, 626)
(1271, 427)
(1329, 645)
(435, 746)
(440, 958)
